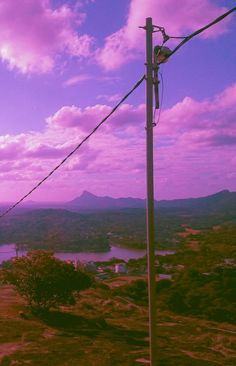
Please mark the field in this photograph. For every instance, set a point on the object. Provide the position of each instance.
(104, 329)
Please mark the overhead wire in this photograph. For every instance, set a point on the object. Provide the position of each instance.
(75, 149)
(166, 38)
(180, 37)
(200, 30)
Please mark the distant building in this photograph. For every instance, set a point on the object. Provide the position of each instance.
(102, 276)
(90, 267)
(164, 276)
(120, 268)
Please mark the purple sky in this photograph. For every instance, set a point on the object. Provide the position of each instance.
(65, 63)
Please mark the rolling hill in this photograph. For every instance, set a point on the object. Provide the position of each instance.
(92, 223)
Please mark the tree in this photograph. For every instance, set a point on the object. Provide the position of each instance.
(45, 281)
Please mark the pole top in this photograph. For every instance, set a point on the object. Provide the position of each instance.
(149, 25)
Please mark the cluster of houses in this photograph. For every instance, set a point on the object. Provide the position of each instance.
(103, 270)
(106, 270)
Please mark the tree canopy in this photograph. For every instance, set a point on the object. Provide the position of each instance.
(45, 281)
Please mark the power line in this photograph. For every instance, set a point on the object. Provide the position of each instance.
(75, 149)
(152, 78)
(186, 39)
(166, 38)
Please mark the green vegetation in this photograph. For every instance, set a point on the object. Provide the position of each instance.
(211, 296)
(136, 291)
(205, 250)
(196, 322)
(45, 281)
(203, 276)
(105, 329)
(57, 230)
(61, 230)
(94, 231)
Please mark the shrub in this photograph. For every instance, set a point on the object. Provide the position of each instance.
(137, 290)
(162, 285)
(45, 281)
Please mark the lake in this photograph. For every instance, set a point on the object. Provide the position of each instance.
(7, 251)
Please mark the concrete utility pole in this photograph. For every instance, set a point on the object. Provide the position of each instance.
(150, 194)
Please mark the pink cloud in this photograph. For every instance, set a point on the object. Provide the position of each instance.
(72, 116)
(87, 118)
(33, 33)
(11, 146)
(201, 121)
(216, 115)
(125, 44)
(30, 145)
(84, 160)
(77, 79)
(194, 147)
(109, 98)
(227, 98)
(43, 151)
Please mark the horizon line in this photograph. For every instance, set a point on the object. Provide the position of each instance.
(85, 191)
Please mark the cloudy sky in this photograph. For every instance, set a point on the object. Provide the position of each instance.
(65, 63)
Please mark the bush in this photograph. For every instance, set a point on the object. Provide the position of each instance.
(45, 281)
(137, 290)
(207, 295)
(162, 285)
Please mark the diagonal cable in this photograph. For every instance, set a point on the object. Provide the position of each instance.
(186, 39)
(75, 149)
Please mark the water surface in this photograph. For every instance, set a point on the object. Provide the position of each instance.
(7, 251)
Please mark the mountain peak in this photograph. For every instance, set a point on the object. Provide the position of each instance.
(224, 191)
(87, 194)
(90, 201)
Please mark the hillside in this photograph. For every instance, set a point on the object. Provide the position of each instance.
(223, 200)
(55, 229)
(88, 201)
(98, 331)
(74, 229)
(108, 325)
(60, 229)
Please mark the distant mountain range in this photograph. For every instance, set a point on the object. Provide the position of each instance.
(88, 202)
(83, 224)
(220, 200)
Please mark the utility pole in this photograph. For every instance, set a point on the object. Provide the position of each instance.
(150, 194)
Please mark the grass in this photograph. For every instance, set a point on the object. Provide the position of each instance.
(106, 330)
